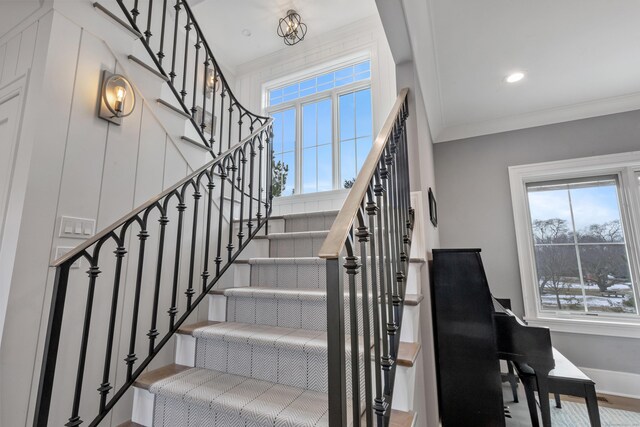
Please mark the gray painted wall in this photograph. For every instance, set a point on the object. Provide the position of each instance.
(474, 204)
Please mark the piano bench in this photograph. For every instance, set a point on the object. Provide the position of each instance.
(565, 378)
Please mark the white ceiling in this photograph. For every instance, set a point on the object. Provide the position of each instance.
(581, 58)
(223, 22)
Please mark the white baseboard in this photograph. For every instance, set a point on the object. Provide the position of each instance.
(615, 383)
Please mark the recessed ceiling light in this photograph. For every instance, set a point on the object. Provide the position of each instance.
(514, 77)
(246, 33)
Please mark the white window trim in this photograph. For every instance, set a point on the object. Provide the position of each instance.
(623, 165)
(333, 94)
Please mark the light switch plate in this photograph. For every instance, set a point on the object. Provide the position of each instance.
(77, 228)
(62, 251)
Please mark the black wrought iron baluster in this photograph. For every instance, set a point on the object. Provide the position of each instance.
(222, 96)
(173, 310)
(187, 29)
(392, 325)
(195, 76)
(362, 234)
(269, 195)
(131, 356)
(232, 204)
(242, 186)
(153, 330)
(194, 234)
(207, 237)
(230, 109)
(160, 53)
(223, 178)
(105, 387)
(252, 156)
(172, 73)
(147, 32)
(216, 83)
(351, 266)
(203, 121)
(386, 312)
(259, 201)
(93, 272)
(371, 208)
(135, 12)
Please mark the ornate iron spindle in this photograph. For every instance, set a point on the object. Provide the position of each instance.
(173, 310)
(172, 73)
(187, 29)
(205, 269)
(351, 266)
(147, 32)
(232, 204)
(93, 273)
(223, 178)
(195, 76)
(160, 53)
(362, 234)
(131, 356)
(153, 331)
(241, 178)
(194, 235)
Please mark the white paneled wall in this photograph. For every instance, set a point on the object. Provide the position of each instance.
(79, 166)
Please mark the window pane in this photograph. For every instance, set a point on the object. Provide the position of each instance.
(345, 81)
(559, 283)
(607, 280)
(364, 126)
(347, 161)
(324, 122)
(277, 132)
(309, 117)
(363, 66)
(289, 159)
(347, 117)
(363, 146)
(309, 170)
(289, 130)
(550, 215)
(596, 212)
(325, 168)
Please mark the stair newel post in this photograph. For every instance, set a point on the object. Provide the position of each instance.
(223, 178)
(385, 295)
(93, 272)
(105, 387)
(172, 73)
(337, 381)
(51, 344)
(187, 29)
(160, 53)
(205, 270)
(194, 233)
(176, 264)
(371, 208)
(363, 237)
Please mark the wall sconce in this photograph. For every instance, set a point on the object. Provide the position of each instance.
(117, 97)
(212, 82)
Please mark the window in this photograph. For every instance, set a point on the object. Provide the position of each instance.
(323, 129)
(578, 244)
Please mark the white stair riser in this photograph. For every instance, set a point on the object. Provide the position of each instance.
(413, 278)
(257, 248)
(404, 388)
(291, 276)
(143, 403)
(217, 308)
(410, 324)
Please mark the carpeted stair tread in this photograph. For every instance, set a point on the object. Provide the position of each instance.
(240, 398)
(260, 292)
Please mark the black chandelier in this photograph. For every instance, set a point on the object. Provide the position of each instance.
(291, 28)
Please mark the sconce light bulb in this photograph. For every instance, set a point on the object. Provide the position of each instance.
(121, 94)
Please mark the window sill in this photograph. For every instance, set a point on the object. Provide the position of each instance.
(608, 327)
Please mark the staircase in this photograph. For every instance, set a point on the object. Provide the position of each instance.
(261, 357)
(304, 321)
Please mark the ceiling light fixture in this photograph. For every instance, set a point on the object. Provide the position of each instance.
(291, 28)
(514, 77)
